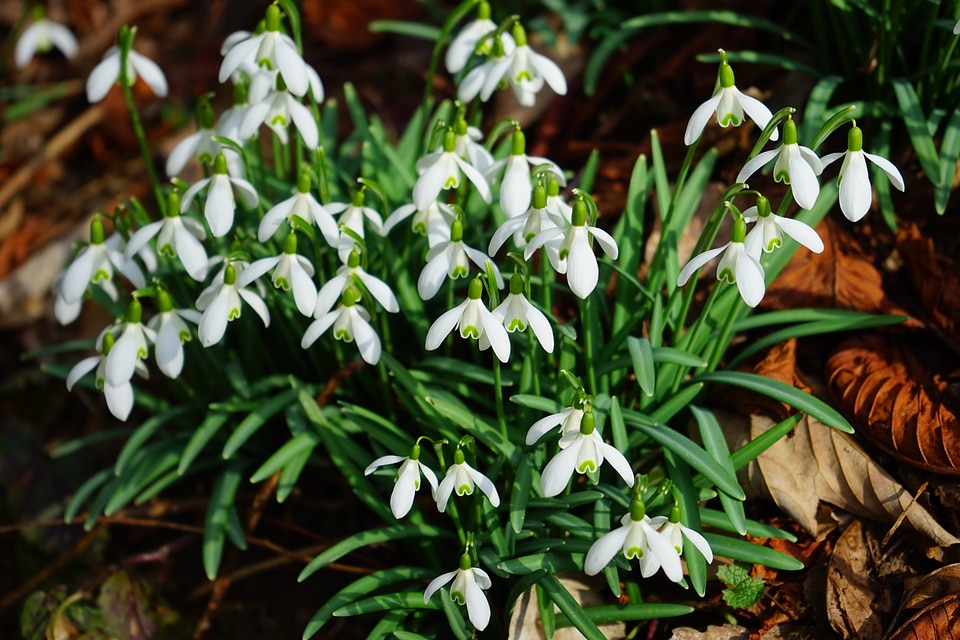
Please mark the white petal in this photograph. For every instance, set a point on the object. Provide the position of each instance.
(119, 399)
(436, 583)
(304, 291)
(496, 335)
(213, 323)
(169, 350)
(401, 214)
(503, 232)
(381, 462)
(755, 163)
(181, 153)
(749, 275)
(252, 119)
(495, 73)
(246, 191)
(888, 168)
(329, 294)
(803, 179)
(583, 272)
(541, 239)
(122, 359)
(540, 326)
(556, 475)
(801, 232)
(274, 218)
(191, 193)
(318, 327)
(856, 194)
(606, 242)
(140, 239)
(699, 119)
(428, 185)
(603, 551)
(103, 76)
(515, 190)
(486, 486)
(150, 72)
(256, 270)
(664, 552)
(430, 476)
(617, 461)
(478, 609)
(443, 325)
(62, 38)
(757, 111)
(550, 71)
(433, 274)
(258, 305)
(238, 54)
(292, 68)
(81, 369)
(27, 45)
(698, 261)
(220, 207)
(191, 253)
(699, 542)
(380, 291)
(78, 275)
(472, 83)
(476, 178)
(66, 312)
(830, 158)
(368, 343)
(812, 159)
(306, 125)
(543, 425)
(445, 490)
(404, 490)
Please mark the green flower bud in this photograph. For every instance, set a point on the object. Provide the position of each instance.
(475, 292)
(675, 514)
(290, 243)
(725, 74)
(353, 260)
(449, 141)
(763, 207)
(304, 183)
(465, 564)
(204, 115)
(516, 284)
(239, 94)
(553, 187)
(461, 127)
(350, 296)
(456, 230)
(789, 131)
(96, 230)
(173, 204)
(739, 230)
(518, 143)
(579, 217)
(229, 275)
(458, 457)
(539, 197)
(855, 138)
(134, 312)
(358, 199)
(220, 164)
(588, 423)
(483, 10)
(637, 509)
(415, 452)
(273, 18)
(107, 343)
(164, 302)
(519, 34)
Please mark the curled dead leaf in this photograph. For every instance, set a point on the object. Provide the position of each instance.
(935, 278)
(940, 620)
(892, 402)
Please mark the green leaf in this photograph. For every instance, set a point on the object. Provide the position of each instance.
(403, 28)
(949, 154)
(670, 355)
(743, 591)
(143, 433)
(570, 607)
(751, 450)
(720, 520)
(520, 493)
(916, 123)
(86, 490)
(257, 418)
(800, 400)
(716, 446)
(386, 602)
(294, 448)
(613, 613)
(552, 562)
(641, 355)
(745, 551)
(78, 444)
(816, 106)
(218, 512)
(204, 433)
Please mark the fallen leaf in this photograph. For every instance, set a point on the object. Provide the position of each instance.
(525, 620)
(713, 632)
(895, 404)
(940, 620)
(934, 586)
(935, 279)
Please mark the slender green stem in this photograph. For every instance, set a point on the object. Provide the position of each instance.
(498, 396)
(139, 132)
(588, 347)
(723, 339)
(658, 268)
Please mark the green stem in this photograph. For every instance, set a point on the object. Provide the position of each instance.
(139, 132)
(723, 339)
(498, 397)
(588, 351)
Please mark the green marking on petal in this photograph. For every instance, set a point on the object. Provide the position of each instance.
(516, 325)
(782, 176)
(633, 552)
(281, 283)
(278, 120)
(730, 119)
(726, 274)
(587, 466)
(343, 334)
(184, 336)
(523, 75)
(234, 313)
(451, 182)
(166, 250)
(101, 276)
(458, 597)
(470, 331)
(773, 244)
(459, 272)
(464, 490)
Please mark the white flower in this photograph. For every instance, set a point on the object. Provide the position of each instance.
(728, 103)
(528, 70)
(575, 253)
(278, 109)
(171, 332)
(637, 537)
(349, 274)
(527, 225)
(228, 125)
(451, 258)
(737, 266)
(767, 233)
(856, 193)
(273, 49)
(465, 44)
(291, 271)
(301, 204)
(467, 146)
(555, 203)
(107, 72)
(350, 322)
(221, 205)
(220, 304)
(516, 314)
(433, 222)
(120, 396)
(472, 319)
(42, 36)
(582, 451)
(467, 589)
(441, 170)
(132, 340)
(516, 188)
(351, 217)
(796, 165)
(199, 145)
(176, 236)
(463, 478)
(480, 79)
(407, 481)
(568, 420)
(675, 531)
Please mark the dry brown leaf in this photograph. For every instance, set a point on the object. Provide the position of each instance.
(891, 401)
(939, 621)
(525, 620)
(713, 632)
(935, 279)
(817, 463)
(934, 586)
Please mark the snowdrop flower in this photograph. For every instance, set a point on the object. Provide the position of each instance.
(221, 205)
(555, 203)
(220, 304)
(291, 271)
(576, 257)
(278, 109)
(199, 145)
(132, 339)
(303, 205)
(407, 480)
(120, 396)
(463, 478)
(472, 319)
(466, 146)
(229, 124)
(516, 314)
(349, 321)
(465, 44)
(171, 329)
(351, 217)
(249, 64)
(515, 188)
(675, 531)
(467, 589)
(451, 258)
(767, 233)
(737, 265)
(480, 79)
(637, 537)
(582, 451)
(108, 72)
(796, 165)
(42, 36)
(529, 70)
(176, 235)
(433, 222)
(353, 274)
(856, 193)
(729, 104)
(568, 420)
(94, 264)
(270, 48)
(527, 225)
(441, 170)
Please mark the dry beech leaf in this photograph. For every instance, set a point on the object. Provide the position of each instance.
(841, 277)
(935, 279)
(819, 464)
(935, 585)
(713, 632)
(939, 621)
(891, 401)
(525, 620)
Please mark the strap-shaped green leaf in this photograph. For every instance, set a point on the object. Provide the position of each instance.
(917, 128)
(218, 512)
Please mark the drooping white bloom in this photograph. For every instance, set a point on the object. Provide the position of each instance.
(130, 347)
(42, 36)
(441, 170)
(176, 235)
(675, 531)
(199, 145)
(433, 222)
(767, 234)
(351, 217)
(291, 272)
(304, 205)
(472, 319)
(107, 71)
(637, 537)
(119, 397)
(480, 80)
(465, 44)
(729, 104)
(171, 331)
(556, 205)
(220, 205)
(527, 71)
(467, 589)
(352, 274)
(270, 48)
(407, 480)
(451, 258)
(221, 303)
(278, 109)
(856, 194)
(516, 188)
(468, 147)
(575, 253)
(516, 313)
(738, 265)
(350, 321)
(527, 225)
(796, 165)
(568, 420)
(582, 451)
(463, 478)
